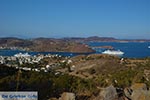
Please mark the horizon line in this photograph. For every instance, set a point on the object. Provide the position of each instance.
(72, 37)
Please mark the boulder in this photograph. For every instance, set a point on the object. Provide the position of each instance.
(137, 91)
(108, 93)
(139, 87)
(67, 96)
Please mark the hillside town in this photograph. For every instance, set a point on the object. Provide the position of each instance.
(19, 60)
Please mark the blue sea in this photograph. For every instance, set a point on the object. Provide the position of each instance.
(130, 49)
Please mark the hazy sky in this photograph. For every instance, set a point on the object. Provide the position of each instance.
(75, 18)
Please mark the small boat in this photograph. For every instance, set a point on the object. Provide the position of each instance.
(113, 52)
(149, 47)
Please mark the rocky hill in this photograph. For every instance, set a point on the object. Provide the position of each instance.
(111, 78)
(84, 77)
(45, 45)
(14, 42)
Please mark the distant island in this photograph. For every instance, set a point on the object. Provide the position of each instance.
(104, 39)
(69, 44)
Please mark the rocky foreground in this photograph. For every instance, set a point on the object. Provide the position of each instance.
(84, 77)
(137, 91)
(115, 78)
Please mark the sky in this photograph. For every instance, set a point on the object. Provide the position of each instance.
(122, 19)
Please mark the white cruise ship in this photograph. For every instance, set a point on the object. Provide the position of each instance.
(113, 52)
